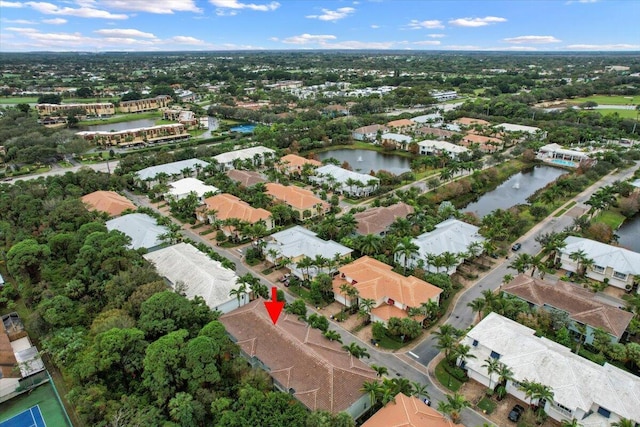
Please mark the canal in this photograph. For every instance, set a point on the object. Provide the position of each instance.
(629, 234)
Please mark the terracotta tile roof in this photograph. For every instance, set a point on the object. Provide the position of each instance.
(377, 220)
(408, 412)
(229, 206)
(481, 139)
(468, 121)
(321, 374)
(293, 162)
(387, 311)
(296, 197)
(401, 123)
(440, 133)
(7, 357)
(245, 178)
(580, 303)
(370, 129)
(108, 201)
(376, 280)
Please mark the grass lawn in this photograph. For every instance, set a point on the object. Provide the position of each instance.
(613, 219)
(628, 114)
(65, 164)
(608, 100)
(487, 405)
(18, 100)
(446, 379)
(390, 343)
(121, 118)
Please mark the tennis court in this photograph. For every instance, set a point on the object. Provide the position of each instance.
(31, 417)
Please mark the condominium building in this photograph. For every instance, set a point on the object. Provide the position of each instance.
(147, 104)
(97, 109)
(139, 136)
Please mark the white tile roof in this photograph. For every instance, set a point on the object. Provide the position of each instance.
(201, 275)
(298, 241)
(575, 381)
(170, 168)
(187, 185)
(342, 175)
(243, 154)
(510, 127)
(451, 235)
(620, 259)
(442, 145)
(398, 137)
(143, 230)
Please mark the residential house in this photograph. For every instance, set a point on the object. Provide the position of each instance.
(183, 187)
(452, 236)
(223, 207)
(142, 229)
(594, 395)
(95, 109)
(401, 125)
(614, 265)
(368, 133)
(245, 178)
(582, 305)
(301, 361)
(181, 169)
(336, 110)
(377, 220)
(345, 181)
(146, 104)
(137, 137)
(486, 144)
(531, 130)
(255, 155)
(19, 359)
(186, 117)
(444, 95)
(436, 148)
(393, 293)
(405, 411)
(186, 96)
(470, 121)
(109, 202)
(301, 200)
(292, 164)
(435, 133)
(555, 153)
(398, 140)
(296, 243)
(193, 273)
(428, 118)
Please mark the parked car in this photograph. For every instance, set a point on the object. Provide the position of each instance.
(285, 278)
(516, 413)
(516, 247)
(426, 401)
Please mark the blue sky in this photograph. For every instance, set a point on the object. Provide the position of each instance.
(148, 25)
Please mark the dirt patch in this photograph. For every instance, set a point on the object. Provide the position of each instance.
(576, 211)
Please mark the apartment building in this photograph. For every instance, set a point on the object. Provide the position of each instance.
(147, 104)
(137, 137)
(96, 109)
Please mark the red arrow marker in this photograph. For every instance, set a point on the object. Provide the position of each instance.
(274, 307)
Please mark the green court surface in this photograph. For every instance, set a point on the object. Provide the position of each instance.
(43, 396)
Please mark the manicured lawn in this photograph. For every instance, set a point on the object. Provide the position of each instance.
(18, 100)
(487, 405)
(445, 378)
(612, 218)
(628, 114)
(608, 100)
(390, 343)
(121, 118)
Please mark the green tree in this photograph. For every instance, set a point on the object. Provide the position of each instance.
(404, 250)
(163, 366)
(167, 311)
(25, 259)
(186, 411)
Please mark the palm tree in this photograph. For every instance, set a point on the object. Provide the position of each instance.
(522, 263)
(369, 244)
(366, 305)
(239, 291)
(624, 422)
(419, 389)
(475, 248)
(333, 336)
(462, 352)
(349, 292)
(505, 374)
(573, 423)
(406, 248)
(373, 389)
(492, 366)
(380, 370)
(453, 406)
(477, 306)
(449, 259)
(356, 351)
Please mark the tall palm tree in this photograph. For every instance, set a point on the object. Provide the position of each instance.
(333, 336)
(449, 259)
(373, 389)
(366, 305)
(419, 389)
(349, 292)
(477, 306)
(370, 244)
(462, 352)
(380, 370)
(505, 374)
(522, 263)
(239, 291)
(492, 366)
(406, 248)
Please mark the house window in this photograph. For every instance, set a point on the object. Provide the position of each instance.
(475, 343)
(604, 412)
(619, 275)
(495, 355)
(562, 409)
(598, 269)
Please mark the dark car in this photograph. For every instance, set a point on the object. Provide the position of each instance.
(516, 413)
(516, 247)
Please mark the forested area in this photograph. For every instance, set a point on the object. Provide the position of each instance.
(130, 351)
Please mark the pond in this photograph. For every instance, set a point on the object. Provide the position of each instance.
(246, 128)
(133, 124)
(515, 190)
(364, 161)
(629, 234)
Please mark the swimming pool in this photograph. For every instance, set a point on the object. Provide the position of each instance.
(243, 128)
(562, 162)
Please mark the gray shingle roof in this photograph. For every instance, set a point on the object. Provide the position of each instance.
(143, 230)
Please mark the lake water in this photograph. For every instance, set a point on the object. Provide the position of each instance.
(133, 124)
(629, 234)
(515, 190)
(364, 161)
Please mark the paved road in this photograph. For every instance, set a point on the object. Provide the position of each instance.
(57, 170)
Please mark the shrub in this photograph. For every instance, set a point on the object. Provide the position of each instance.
(378, 330)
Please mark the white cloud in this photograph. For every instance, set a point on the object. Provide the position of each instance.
(187, 40)
(618, 46)
(531, 39)
(18, 21)
(15, 4)
(124, 33)
(153, 6)
(428, 43)
(235, 4)
(333, 15)
(55, 21)
(476, 22)
(436, 36)
(308, 38)
(81, 12)
(414, 24)
(375, 26)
